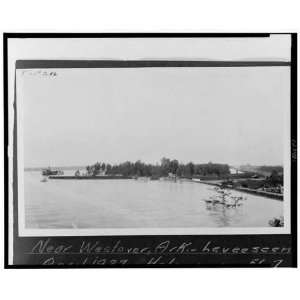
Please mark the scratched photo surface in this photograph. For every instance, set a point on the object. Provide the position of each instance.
(152, 147)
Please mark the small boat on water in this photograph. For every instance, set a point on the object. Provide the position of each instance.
(45, 179)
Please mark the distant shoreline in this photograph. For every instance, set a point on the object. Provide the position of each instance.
(60, 168)
(66, 177)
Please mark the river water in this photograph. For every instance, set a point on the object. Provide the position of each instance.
(136, 204)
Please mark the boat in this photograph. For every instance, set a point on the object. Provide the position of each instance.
(45, 179)
(49, 172)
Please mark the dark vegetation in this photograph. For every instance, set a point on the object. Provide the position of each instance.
(272, 183)
(263, 170)
(270, 169)
(277, 222)
(165, 168)
(274, 179)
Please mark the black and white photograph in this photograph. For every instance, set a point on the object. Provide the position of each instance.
(145, 150)
(150, 150)
(162, 146)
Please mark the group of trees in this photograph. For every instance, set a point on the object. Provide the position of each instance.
(190, 169)
(275, 179)
(166, 167)
(265, 171)
(95, 169)
(271, 169)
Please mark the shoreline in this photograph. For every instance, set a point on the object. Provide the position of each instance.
(249, 191)
(71, 177)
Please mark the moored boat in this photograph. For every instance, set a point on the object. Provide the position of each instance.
(49, 172)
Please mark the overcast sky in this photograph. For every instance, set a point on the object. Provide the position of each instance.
(226, 115)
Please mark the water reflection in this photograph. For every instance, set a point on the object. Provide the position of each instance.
(223, 215)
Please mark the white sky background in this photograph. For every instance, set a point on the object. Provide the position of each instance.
(226, 115)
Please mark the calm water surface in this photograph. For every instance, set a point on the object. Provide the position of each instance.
(135, 203)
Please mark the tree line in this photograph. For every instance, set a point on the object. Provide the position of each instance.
(166, 167)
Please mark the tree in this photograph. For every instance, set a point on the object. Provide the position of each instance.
(165, 166)
(191, 168)
(96, 169)
(180, 170)
(275, 179)
(173, 166)
(88, 170)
